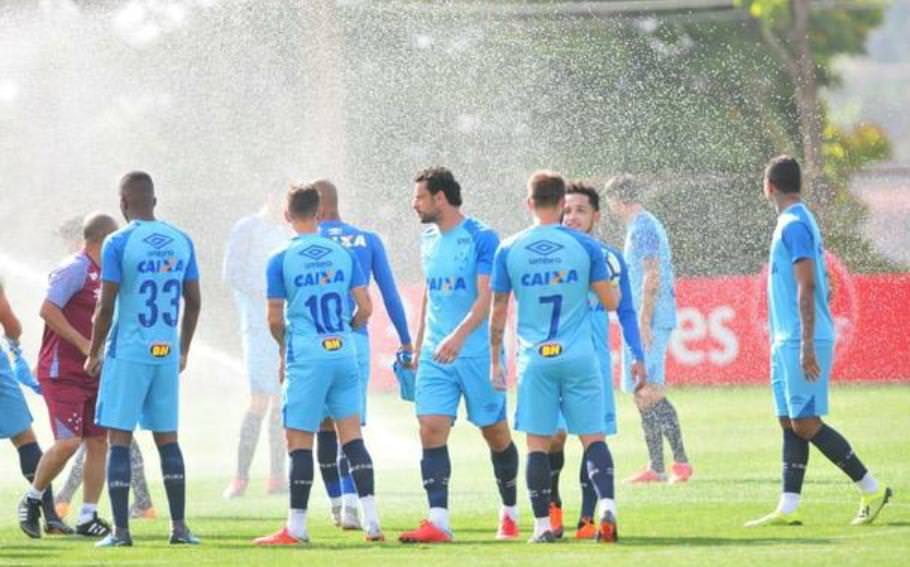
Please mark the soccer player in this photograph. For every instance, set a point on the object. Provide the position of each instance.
(70, 393)
(650, 265)
(309, 313)
(802, 336)
(551, 269)
(582, 212)
(71, 233)
(453, 353)
(16, 420)
(370, 253)
(252, 240)
(146, 267)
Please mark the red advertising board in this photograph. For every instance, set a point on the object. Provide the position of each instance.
(722, 335)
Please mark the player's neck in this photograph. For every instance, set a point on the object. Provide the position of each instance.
(330, 216)
(785, 201)
(449, 219)
(631, 212)
(547, 217)
(143, 216)
(93, 251)
(309, 226)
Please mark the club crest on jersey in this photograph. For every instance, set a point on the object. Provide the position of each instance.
(549, 350)
(166, 265)
(549, 278)
(160, 350)
(331, 344)
(319, 278)
(446, 285)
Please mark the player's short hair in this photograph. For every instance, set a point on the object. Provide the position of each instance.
(624, 188)
(441, 179)
(581, 187)
(783, 172)
(138, 181)
(96, 226)
(303, 200)
(546, 188)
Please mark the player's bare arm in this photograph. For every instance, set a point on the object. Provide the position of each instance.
(58, 323)
(804, 270)
(498, 318)
(12, 328)
(275, 317)
(448, 349)
(364, 307)
(192, 300)
(104, 314)
(608, 294)
(650, 283)
(421, 328)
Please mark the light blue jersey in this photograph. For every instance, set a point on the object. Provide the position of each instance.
(646, 239)
(149, 261)
(796, 237)
(550, 270)
(452, 261)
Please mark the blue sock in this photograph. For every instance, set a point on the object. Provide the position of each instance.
(833, 445)
(344, 473)
(118, 485)
(588, 495)
(301, 477)
(174, 476)
(600, 469)
(796, 457)
(361, 467)
(327, 455)
(557, 461)
(505, 467)
(537, 474)
(436, 468)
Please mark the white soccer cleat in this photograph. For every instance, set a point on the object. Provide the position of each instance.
(350, 519)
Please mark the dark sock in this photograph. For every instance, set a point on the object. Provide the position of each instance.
(557, 461)
(600, 469)
(278, 446)
(669, 426)
(74, 479)
(537, 474)
(327, 455)
(344, 474)
(141, 496)
(795, 458)
(301, 477)
(505, 468)
(118, 485)
(588, 495)
(29, 456)
(246, 447)
(833, 445)
(361, 467)
(174, 476)
(650, 424)
(436, 468)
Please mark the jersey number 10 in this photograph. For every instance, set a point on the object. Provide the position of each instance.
(325, 311)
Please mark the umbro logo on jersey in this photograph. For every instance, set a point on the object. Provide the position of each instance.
(315, 252)
(544, 247)
(157, 241)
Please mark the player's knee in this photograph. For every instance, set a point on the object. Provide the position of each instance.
(95, 445)
(68, 447)
(558, 442)
(165, 438)
(497, 435)
(805, 428)
(432, 432)
(24, 438)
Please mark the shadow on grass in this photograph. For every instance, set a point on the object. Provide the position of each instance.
(713, 541)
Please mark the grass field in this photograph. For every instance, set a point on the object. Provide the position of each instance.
(732, 440)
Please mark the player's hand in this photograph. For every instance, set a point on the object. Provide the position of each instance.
(183, 360)
(639, 375)
(809, 363)
(645, 333)
(498, 377)
(92, 365)
(448, 349)
(85, 346)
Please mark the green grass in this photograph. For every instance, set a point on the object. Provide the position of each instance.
(733, 443)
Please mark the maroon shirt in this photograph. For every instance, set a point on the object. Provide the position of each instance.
(74, 287)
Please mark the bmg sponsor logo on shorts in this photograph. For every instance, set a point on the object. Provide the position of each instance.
(160, 350)
(332, 344)
(550, 350)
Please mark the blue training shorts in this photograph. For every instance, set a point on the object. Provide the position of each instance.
(320, 388)
(441, 386)
(794, 396)
(655, 360)
(134, 393)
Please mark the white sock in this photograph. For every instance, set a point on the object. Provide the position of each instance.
(868, 484)
(789, 502)
(510, 511)
(297, 523)
(541, 525)
(370, 513)
(335, 502)
(349, 501)
(87, 512)
(34, 493)
(607, 505)
(439, 517)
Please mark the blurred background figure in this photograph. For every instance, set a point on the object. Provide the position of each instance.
(250, 243)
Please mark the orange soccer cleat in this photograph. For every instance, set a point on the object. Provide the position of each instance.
(680, 472)
(608, 531)
(281, 537)
(556, 520)
(62, 508)
(647, 476)
(426, 533)
(508, 529)
(586, 529)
